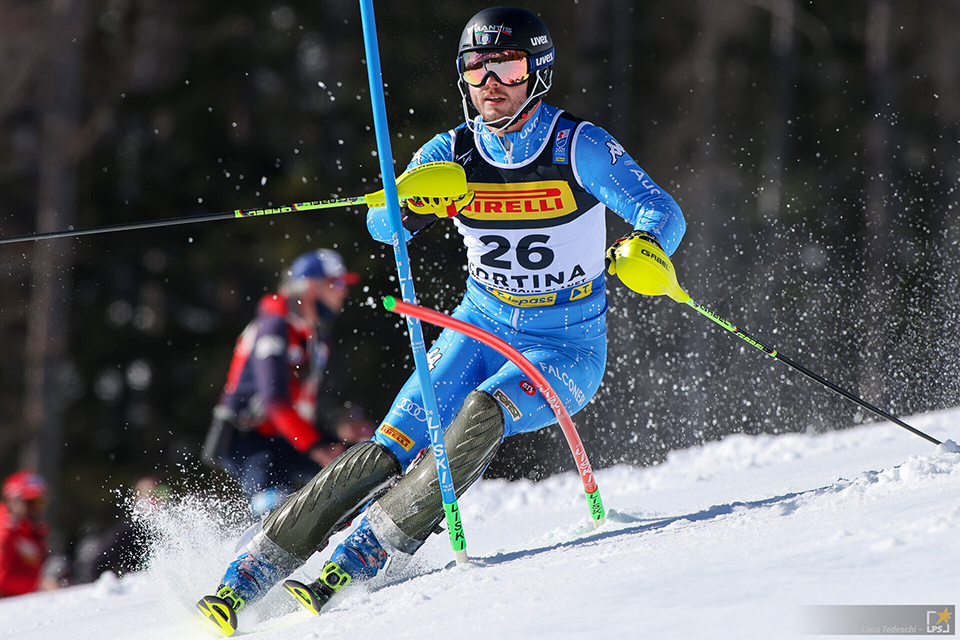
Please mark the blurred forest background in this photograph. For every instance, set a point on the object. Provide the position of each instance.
(814, 147)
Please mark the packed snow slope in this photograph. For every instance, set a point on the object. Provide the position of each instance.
(727, 540)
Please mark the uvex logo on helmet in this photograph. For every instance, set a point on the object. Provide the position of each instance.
(544, 60)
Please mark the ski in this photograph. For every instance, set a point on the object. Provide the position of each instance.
(219, 612)
(316, 594)
(306, 596)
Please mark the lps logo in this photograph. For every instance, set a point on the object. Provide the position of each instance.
(939, 621)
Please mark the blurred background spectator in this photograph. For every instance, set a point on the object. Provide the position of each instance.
(280, 418)
(23, 534)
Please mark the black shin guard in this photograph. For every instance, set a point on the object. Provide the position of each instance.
(408, 513)
(334, 497)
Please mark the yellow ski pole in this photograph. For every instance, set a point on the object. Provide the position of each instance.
(428, 180)
(644, 267)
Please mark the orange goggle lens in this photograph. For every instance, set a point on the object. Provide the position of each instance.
(508, 67)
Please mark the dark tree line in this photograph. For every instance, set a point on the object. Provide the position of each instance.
(814, 147)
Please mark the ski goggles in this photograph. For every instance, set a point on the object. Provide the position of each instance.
(344, 281)
(341, 281)
(510, 67)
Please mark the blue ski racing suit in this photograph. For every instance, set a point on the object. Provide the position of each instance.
(535, 236)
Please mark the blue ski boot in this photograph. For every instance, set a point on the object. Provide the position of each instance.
(359, 557)
(246, 580)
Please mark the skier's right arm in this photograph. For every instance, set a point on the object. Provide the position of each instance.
(440, 147)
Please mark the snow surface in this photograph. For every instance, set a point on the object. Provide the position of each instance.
(727, 540)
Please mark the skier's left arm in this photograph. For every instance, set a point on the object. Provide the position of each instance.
(607, 171)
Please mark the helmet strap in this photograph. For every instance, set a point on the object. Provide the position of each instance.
(544, 78)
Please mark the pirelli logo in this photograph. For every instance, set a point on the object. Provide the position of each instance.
(396, 435)
(520, 201)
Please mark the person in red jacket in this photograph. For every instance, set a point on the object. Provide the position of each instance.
(23, 535)
(280, 418)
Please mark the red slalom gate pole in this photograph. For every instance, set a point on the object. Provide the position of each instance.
(553, 400)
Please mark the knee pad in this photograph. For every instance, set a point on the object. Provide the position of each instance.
(410, 511)
(332, 499)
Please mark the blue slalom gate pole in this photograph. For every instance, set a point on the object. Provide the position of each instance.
(451, 510)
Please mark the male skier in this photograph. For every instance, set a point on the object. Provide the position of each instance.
(533, 224)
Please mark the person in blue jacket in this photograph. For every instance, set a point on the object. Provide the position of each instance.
(533, 223)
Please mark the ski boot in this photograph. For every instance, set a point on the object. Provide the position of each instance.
(247, 579)
(359, 557)
(315, 595)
